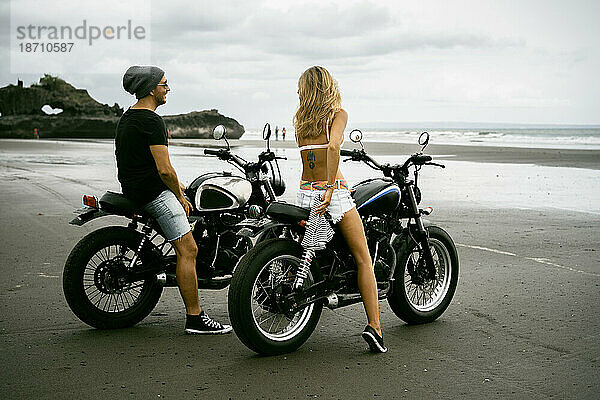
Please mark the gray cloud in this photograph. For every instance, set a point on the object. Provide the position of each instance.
(244, 58)
(321, 21)
(184, 22)
(380, 43)
(320, 32)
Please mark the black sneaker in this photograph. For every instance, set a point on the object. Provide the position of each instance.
(374, 340)
(203, 324)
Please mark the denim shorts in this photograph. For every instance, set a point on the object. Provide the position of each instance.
(341, 202)
(169, 214)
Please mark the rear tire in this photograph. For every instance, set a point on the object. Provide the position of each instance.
(91, 278)
(251, 310)
(424, 302)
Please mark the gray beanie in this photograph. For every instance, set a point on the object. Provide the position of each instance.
(141, 80)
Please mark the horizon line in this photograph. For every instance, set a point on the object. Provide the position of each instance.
(460, 125)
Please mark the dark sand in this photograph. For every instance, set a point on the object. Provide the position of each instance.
(524, 322)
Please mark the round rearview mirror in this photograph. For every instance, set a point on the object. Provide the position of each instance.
(267, 131)
(356, 135)
(424, 139)
(219, 132)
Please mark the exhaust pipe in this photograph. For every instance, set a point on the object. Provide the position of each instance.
(166, 279)
(161, 279)
(332, 301)
(340, 300)
(335, 300)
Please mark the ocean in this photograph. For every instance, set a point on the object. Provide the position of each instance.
(552, 138)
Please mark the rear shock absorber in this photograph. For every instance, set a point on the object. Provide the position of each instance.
(304, 268)
(146, 229)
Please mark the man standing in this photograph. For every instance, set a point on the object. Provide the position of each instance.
(148, 179)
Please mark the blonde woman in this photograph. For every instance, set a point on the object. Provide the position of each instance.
(320, 122)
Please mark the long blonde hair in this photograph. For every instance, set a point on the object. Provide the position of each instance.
(320, 99)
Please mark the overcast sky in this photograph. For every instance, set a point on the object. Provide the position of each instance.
(475, 61)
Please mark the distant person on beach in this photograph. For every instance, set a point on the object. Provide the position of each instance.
(283, 133)
(276, 133)
(319, 124)
(36, 133)
(148, 179)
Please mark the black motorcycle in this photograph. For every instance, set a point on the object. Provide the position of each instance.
(114, 276)
(276, 299)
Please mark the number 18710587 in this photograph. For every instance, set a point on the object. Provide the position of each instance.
(40, 47)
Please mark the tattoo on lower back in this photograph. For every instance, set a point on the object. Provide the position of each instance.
(311, 159)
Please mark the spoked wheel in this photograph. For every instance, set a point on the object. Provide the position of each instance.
(276, 279)
(97, 284)
(105, 279)
(261, 319)
(416, 299)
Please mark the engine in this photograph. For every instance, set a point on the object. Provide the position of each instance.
(219, 247)
(378, 233)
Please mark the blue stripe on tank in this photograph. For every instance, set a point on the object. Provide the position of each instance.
(381, 194)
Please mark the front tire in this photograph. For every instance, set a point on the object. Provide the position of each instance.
(94, 281)
(270, 268)
(416, 300)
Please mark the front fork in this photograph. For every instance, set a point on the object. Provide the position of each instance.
(421, 235)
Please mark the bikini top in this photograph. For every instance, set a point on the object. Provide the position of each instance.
(318, 146)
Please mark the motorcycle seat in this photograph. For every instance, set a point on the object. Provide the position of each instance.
(117, 203)
(288, 213)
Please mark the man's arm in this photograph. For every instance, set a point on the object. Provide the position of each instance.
(167, 173)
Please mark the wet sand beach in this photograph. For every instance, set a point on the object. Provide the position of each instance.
(524, 321)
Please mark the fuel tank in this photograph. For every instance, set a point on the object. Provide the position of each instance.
(376, 196)
(218, 191)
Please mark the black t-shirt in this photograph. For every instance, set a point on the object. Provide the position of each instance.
(136, 131)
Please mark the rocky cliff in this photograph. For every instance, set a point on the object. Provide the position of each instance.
(83, 117)
(52, 91)
(200, 124)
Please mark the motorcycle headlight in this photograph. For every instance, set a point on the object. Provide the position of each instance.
(278, 185)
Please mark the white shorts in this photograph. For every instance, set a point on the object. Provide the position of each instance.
(341, 202)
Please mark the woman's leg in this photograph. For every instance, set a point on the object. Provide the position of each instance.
(354, 233)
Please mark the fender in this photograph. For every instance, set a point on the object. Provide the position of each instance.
(403, 242)
(88, 216)
(94, 213)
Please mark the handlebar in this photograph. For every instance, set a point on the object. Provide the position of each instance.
(436, 164)
(388, 170)
(420, 159)
(212, 152)
(361, 155)
(269, 156)
(225, 154)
